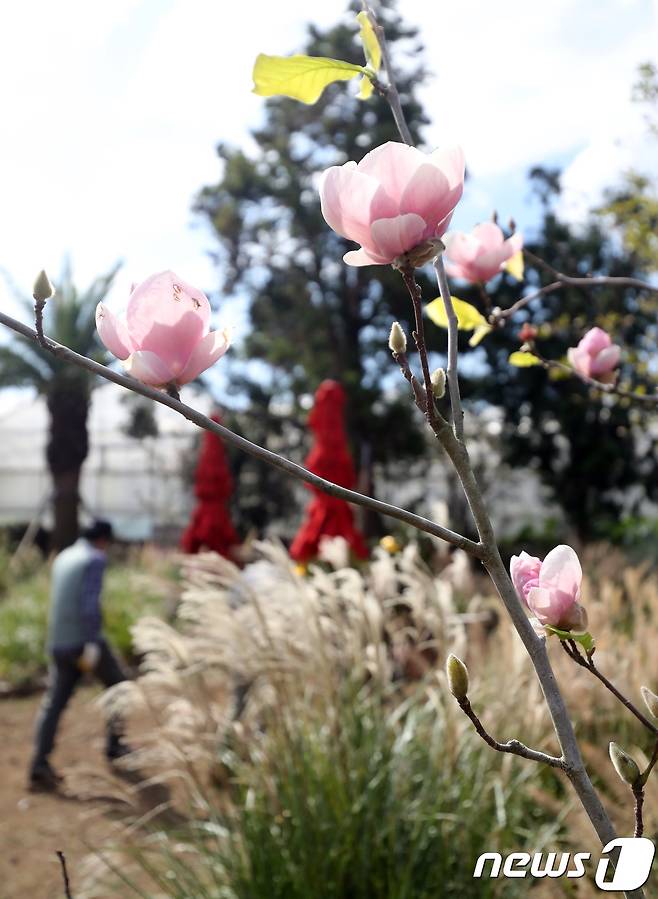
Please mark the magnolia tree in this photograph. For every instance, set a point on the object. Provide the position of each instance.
(396, 204)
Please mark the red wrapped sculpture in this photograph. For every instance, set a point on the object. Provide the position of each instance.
(210, 526)
(329, 458)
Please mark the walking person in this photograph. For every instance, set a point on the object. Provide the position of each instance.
(75, 646)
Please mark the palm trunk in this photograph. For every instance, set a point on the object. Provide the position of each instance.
(68, 404)
(66, 500)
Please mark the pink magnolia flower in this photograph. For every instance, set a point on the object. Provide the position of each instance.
(596, 356)
(395, 199)
(165, 338)
(551, 589)
(482, 254)
(524, 570)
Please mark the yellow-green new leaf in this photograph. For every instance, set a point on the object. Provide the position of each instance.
(479, 334)
(514, 266)
(468, 317)
(371, 48)
(300, 77)
(523, 360)
(366, 88)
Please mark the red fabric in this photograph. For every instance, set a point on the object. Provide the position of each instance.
(329, 458)
(210, 526)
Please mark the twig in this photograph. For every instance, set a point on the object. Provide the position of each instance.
(389, 90)
(610, 389)
(654, 758)
(241, 443)
(512, 746)
(65, 875)
(39, 306)
(587, 662)
(419, 393)
(591, 280)
(419, 337)
(453, 336)
(638, 795)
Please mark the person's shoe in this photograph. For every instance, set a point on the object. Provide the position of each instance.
(43, 779)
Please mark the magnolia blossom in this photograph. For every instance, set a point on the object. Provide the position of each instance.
(524, 570)
(482, 254)
(395, 199)
(165, 338)
(596, 356)
(551, 589)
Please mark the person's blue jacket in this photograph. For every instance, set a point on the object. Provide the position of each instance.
(75, 605)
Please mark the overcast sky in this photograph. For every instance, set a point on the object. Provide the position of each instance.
(111, 112)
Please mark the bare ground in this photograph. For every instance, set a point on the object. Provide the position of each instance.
(34, 826)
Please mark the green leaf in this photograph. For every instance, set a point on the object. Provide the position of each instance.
(586, 640)
(523, 360)
(366, 88)
(479, 334)
(468, 317)
(371, 48)
(300, 77)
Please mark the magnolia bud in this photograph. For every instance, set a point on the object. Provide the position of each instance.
(625, 766)
(397, 342)
(43, 289)
(650, 700)
(527, 333)
(438, 379)
(457, 677)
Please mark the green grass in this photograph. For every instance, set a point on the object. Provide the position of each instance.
(358, 800)
(129, 593)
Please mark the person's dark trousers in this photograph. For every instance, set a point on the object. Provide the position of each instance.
(64, 676)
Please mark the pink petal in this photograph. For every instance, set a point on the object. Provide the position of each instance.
(460, 247)
(425, 195)
(606, 360)
(351, 201)
(363, 257)
(515, 243)
(450, 160)
(540, 601)
(113, 332)
(205, 354)
(561, 571)
(394, 236)
(594, 341)
(393, 165)
(148, 368)
(579, 360)
(489, 236)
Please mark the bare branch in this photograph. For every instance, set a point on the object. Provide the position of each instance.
(453, 335)
(258, 452)
(512, 746)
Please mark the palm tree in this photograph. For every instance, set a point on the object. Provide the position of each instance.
(69, 319)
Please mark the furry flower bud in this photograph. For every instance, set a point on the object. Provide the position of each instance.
(397, 342)
(457, 677)
(625, 766)
(438, 379)
(42, 289)
(650, 700)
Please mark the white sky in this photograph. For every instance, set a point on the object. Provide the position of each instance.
(111, 112)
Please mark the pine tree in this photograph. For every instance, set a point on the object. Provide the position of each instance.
(312, 317)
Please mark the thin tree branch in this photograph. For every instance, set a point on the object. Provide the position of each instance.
(587, 662)
(258, 452)
(638, 796)
(592, 280)
(419, 337)
(644, 399)
(389, 90)
(65, 875)
(512, 746)
(453, 336)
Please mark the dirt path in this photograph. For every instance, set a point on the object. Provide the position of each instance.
(34, 826)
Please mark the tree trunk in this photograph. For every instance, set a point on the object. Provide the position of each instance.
(66, 500)
(68, 445)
